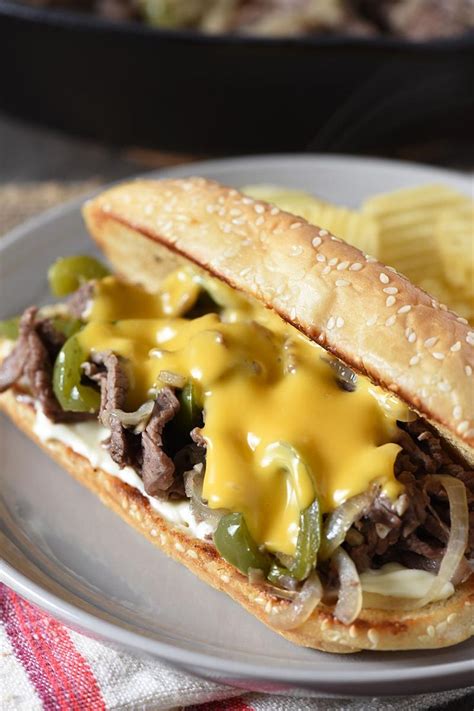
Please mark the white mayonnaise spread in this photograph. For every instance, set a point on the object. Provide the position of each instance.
(395, 580)
(86, 438)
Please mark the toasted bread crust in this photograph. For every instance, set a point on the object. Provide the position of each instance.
(437, 625)
(364, 312)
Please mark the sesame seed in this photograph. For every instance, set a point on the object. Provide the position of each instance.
(457, 412)
(430, 631)
(412, 337)
(179, 547)
(191, 553)
(390, 300)
(324, 624)
(391, 320)
(259, 209)
(235, 212)
(332, 262)
(450, 618)
(456, 347)
(390, 290)
(239, 221)
(339, 322)
(153, 532)
(463, 426)
(414, 360)
(331, 323)
(370, 259)
(323, 233)
(444, 386)
(274, 211)
(293, 313)
(356, 267)
(443, 307)
(342, 282)
(149, 209)
(225, 578)
(384, 278)
(163, 539)
(353, 631)
(259, 221)
(248, 201)
(371, 321)
(404, 309)
(462, 320)
(320, 257)
(296, 250)
(470, 338)
(326, 270)
(342, 265)
(317, 242)
(296, 225)
(468, 370)
(431, 341)
(441, 627)
(438, 355)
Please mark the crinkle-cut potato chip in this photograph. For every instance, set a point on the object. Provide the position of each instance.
(452, 297)
(407, 221)
(353, 227)
(455, 241)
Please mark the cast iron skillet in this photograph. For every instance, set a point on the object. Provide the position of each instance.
(129, 84)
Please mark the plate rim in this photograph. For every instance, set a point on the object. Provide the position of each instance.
(448, 675)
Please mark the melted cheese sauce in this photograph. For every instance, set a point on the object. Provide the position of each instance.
(279, 430)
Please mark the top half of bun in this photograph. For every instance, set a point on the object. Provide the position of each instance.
(364, 312)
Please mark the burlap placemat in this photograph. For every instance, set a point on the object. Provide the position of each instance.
(19, 202)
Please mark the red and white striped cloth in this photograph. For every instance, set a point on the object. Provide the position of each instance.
(44, 665)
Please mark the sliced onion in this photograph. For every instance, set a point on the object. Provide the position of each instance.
(174, 379)
(193, 481)
(137, 419)
(345, 375)
(458, 536)
(303, 604)
(341, 519)
(350, 598)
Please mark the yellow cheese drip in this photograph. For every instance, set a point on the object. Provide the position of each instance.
(279, 429)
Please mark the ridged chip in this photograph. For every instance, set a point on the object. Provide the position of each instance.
(353, 227)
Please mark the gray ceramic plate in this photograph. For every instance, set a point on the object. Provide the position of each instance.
(63, 550)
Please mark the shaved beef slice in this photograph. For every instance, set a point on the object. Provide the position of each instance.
(78, 304)
(109, 372)
(416, 537)
(32, 358)
(158, 469)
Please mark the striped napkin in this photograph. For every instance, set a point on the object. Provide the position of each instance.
(44, 665)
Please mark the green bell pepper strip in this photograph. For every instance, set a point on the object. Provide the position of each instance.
(309, 540)
(235, 544)
(71, 394)
(307, 546)
(9, 328)
(67, 274)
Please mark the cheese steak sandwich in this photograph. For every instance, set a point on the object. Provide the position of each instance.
(281, 413)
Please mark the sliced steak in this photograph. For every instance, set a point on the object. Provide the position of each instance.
(109, 372)
(158, 468)
(417, 536)
(32, 360)
(79, 303)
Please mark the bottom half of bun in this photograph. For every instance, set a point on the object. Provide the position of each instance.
(437, 625)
